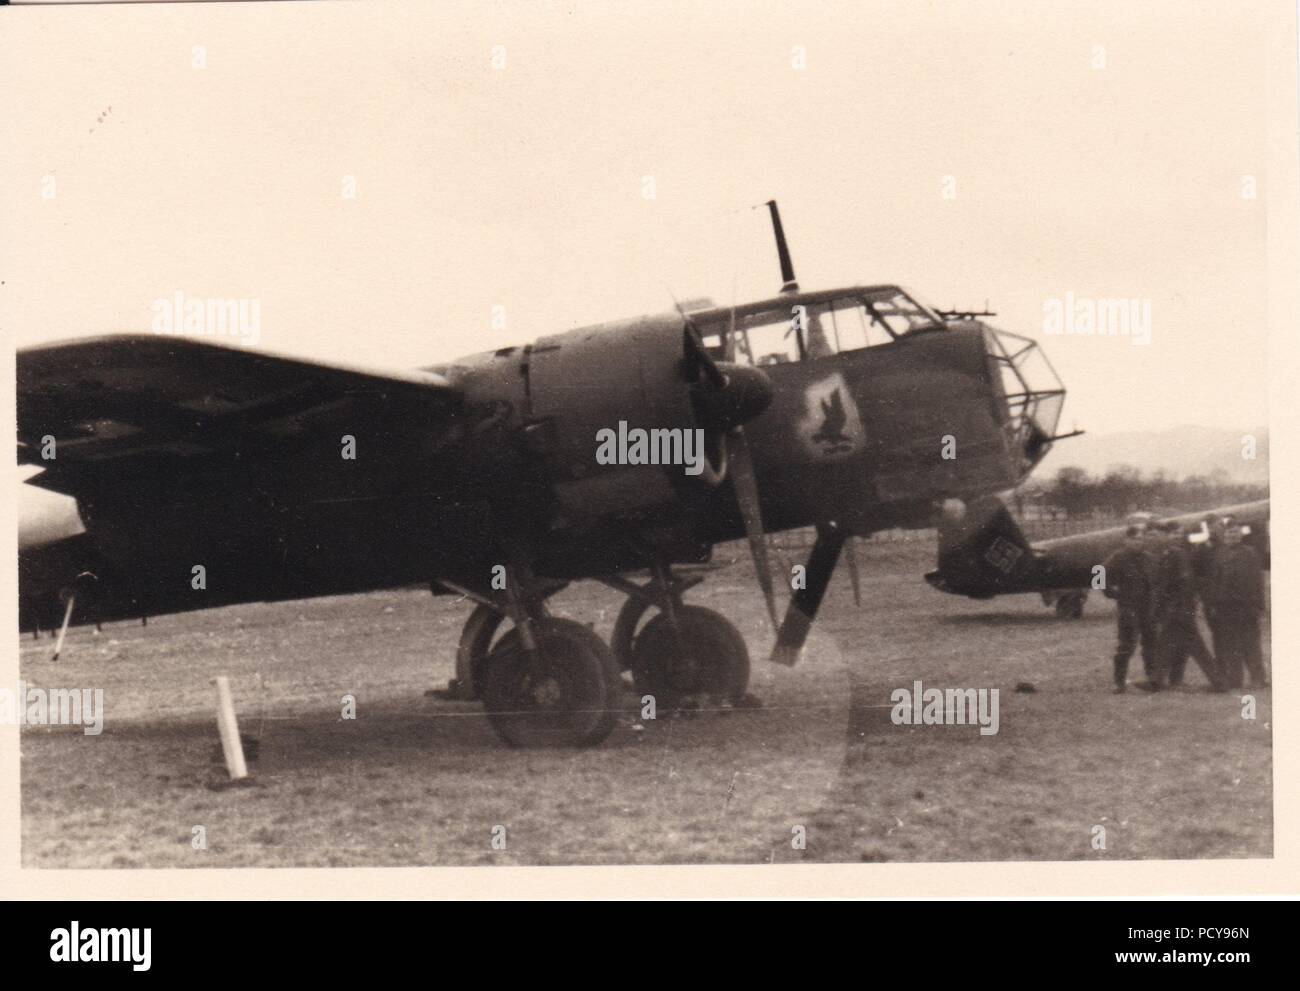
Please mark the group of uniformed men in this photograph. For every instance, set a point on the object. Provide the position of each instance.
(1157, 578)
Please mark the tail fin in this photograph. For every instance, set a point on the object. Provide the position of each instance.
(983, 554)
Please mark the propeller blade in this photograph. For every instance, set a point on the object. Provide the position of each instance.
(746, 486)
(851, 559)
(698, 358)
(804, 604)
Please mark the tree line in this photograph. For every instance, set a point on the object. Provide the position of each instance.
(1075, 494)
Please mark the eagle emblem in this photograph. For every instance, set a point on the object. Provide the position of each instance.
(830, 435)
(831, 426)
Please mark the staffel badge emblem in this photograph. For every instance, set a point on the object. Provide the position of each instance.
(831, 426)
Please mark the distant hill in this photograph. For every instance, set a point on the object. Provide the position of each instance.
(1178, 451)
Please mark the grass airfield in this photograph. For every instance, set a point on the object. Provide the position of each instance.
(415, 780)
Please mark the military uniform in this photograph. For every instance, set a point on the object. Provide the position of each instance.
(1236, 600)
(1175, 611)
(1129, 580)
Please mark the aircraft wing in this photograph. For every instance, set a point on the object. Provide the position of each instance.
(118, 403)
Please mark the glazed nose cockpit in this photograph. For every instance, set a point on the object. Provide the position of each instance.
(1031, 390)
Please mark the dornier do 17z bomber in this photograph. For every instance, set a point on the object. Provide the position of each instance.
(206, 476)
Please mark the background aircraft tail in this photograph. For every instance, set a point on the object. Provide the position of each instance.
(983, 554)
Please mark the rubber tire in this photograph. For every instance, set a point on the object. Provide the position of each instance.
(579, 657)
(722, 659)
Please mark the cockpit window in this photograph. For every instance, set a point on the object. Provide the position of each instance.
(807, 331)
(766, 338)
(899, 312)
(843, 325)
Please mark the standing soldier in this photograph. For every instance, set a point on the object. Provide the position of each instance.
(1203, 565)
(1237, 600)
(1175, 612)
(1128, 578)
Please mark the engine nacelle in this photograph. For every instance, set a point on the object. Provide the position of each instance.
(622, 377)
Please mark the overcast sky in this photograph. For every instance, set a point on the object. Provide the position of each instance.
(524, 186)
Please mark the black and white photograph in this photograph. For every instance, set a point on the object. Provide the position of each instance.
(644, 434)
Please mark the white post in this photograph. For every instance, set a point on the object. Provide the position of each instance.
(63, 632)
(230, 745)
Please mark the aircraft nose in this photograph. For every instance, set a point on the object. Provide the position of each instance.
(746, 393)
(1031, 389)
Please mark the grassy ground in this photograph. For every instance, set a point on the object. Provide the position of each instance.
(415, 780)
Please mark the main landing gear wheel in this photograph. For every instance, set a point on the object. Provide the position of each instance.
(563, 695)
(712, 660)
